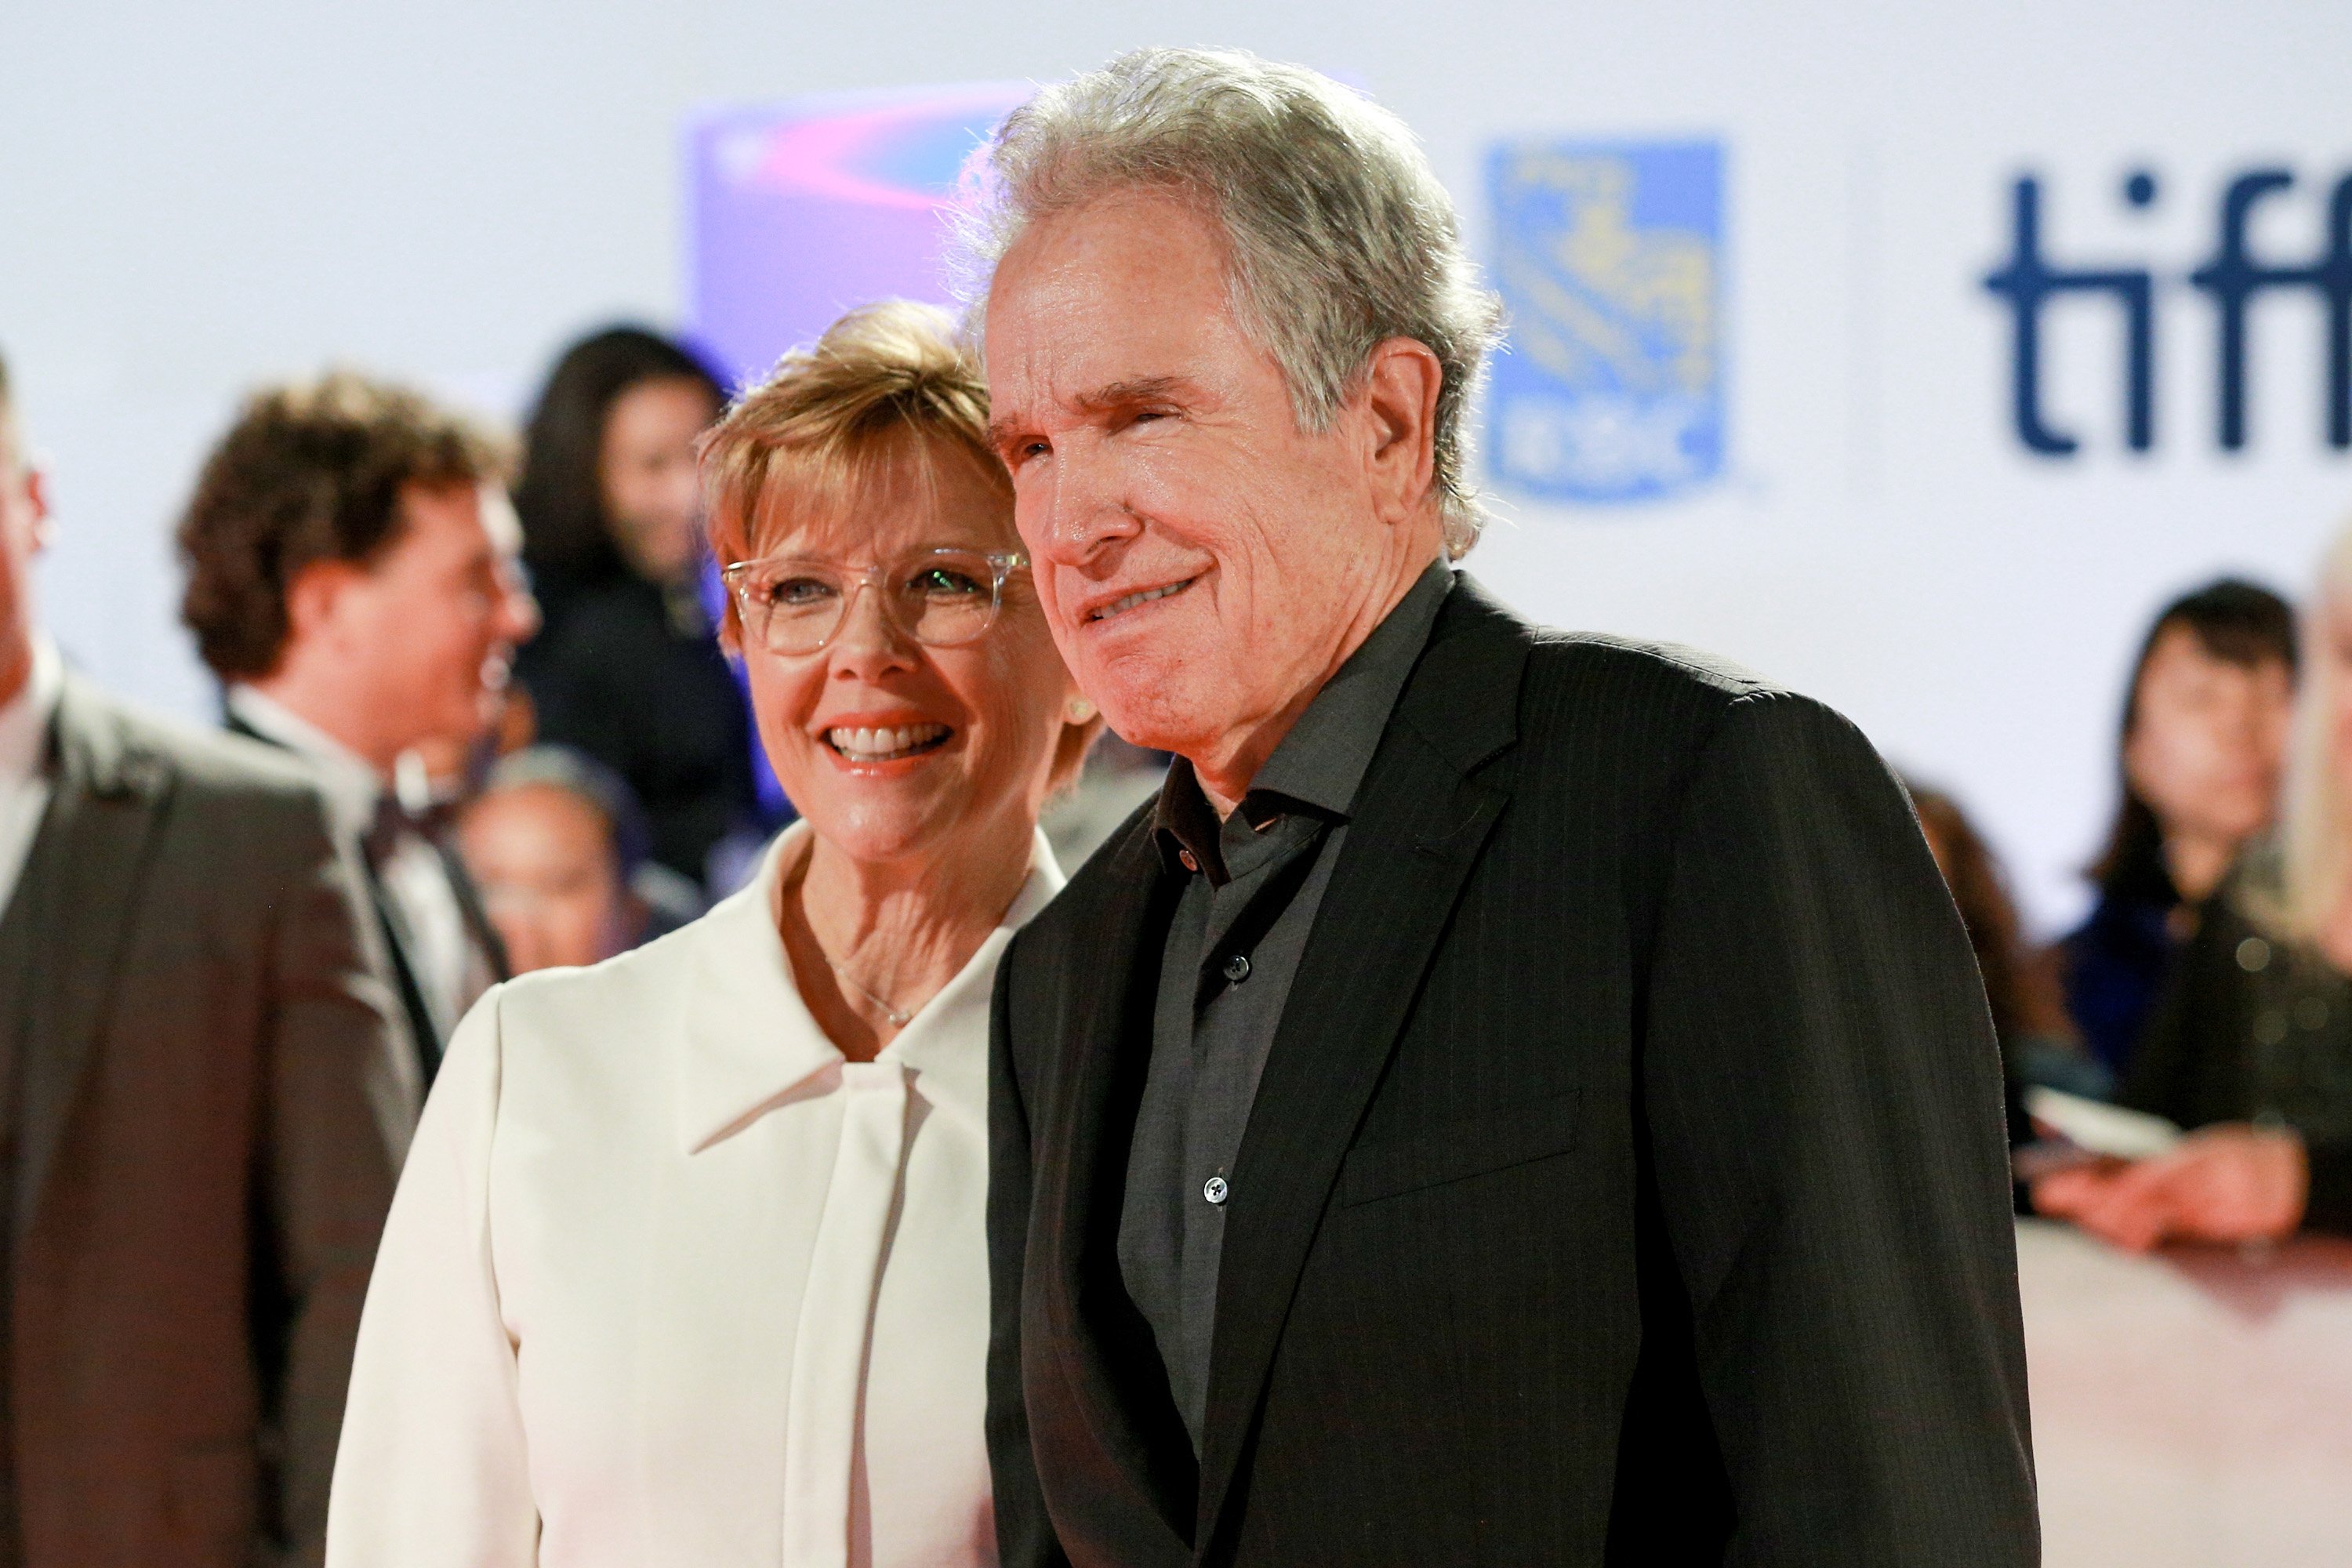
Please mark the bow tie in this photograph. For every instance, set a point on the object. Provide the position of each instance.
(393, 821)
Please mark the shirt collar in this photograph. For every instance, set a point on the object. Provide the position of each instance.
(353, 786)
(25, 719)
(1321, 763)
(751, 1044)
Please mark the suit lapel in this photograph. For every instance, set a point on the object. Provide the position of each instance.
(1102, 1343)
(85, 871)
(1420, 821)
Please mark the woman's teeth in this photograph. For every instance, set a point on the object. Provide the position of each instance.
(1120, 607)
(886, 745)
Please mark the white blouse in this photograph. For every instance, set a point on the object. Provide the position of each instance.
(669, 1281)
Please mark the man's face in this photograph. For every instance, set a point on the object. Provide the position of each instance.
(543, 859)
(23, 521)
(428, 632)
(1201, 561)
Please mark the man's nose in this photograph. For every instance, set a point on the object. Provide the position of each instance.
(1082, 507)
(519, 613)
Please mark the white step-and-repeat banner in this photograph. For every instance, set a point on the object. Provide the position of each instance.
(1912, 355)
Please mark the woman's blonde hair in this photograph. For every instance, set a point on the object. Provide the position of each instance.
(886, 383)
(2314, 836)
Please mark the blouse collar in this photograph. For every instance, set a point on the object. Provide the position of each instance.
(751, 1044)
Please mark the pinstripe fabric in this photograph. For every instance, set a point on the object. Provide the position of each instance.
(1626, 1182)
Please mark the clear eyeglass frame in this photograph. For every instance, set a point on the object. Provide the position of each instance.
(939, 616)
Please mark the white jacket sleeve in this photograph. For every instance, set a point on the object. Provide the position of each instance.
(432, 1472)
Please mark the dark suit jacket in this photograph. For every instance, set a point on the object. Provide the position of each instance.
(208, 1109)
(424, 1036)
(1626, 1182)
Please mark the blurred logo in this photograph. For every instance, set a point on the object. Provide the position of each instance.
(1609, 257)
(2233, 277)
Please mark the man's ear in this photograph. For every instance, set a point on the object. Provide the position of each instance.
(1401, 380)
(36, 493)
(315, 597)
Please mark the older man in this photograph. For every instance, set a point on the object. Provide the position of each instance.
(1514, 1098)
(202, 1109)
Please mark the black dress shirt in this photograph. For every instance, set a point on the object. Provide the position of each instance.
(1253, 885)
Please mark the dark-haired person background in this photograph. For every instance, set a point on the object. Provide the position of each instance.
(628, 671)
(351, 580)
(2251, 1048)
(2204, 737)
(2029, 1016)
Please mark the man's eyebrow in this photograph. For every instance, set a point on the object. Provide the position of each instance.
(1117, 394)
(1126, 394)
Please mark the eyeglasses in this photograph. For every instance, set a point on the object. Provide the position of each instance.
(941, 598)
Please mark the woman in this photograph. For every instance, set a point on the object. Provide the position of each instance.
(2204, 736)
(687, 1264)
(625, 668)
(2253, 1048)
(2028, 1020)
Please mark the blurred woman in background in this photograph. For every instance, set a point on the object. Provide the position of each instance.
(2029, 1018)
(688, 1263)
(2204, 737)
(626, 669)
(2253, 1048)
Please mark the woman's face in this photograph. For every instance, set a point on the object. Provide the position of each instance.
(977, 726)
(2208, 737)
(646, 469)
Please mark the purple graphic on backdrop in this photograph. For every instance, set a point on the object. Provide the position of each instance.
(803, 209)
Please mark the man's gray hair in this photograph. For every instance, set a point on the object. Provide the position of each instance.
(1337, 232)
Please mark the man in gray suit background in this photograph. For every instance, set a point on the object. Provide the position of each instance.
(202, 1109)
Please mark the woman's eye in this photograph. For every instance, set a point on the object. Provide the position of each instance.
(936, 582)
(798, 593)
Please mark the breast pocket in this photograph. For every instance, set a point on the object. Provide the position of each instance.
(1459, 1150)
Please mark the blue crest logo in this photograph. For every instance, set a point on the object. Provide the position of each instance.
(1609, 257)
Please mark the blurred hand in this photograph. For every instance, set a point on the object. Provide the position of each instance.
(2226, 1183)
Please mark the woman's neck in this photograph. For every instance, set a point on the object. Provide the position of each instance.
(2197, 862)
(872, 941)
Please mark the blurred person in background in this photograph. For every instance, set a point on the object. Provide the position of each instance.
(690, 1265)
(2029, 1016)
(2204, 737)
(2252, 1047)
(353, 582)
(628, 671)
(202, 1106)
(558, 849)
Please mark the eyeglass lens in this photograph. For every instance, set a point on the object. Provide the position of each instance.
(942, 599)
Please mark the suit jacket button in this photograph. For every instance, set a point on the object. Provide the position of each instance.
(1238, 968)
(1215, 1189)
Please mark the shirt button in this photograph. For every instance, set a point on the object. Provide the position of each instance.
(1238, 968)
(1215, 1189)
(1184, 856)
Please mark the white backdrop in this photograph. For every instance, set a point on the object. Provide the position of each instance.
(193, 199)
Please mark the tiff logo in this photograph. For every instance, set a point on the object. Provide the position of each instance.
(2232, 278)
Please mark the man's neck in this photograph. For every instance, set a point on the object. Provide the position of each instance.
(321, 709)
(1224, 773)
(16, 668)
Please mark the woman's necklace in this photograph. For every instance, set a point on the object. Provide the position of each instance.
(898, 1018)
